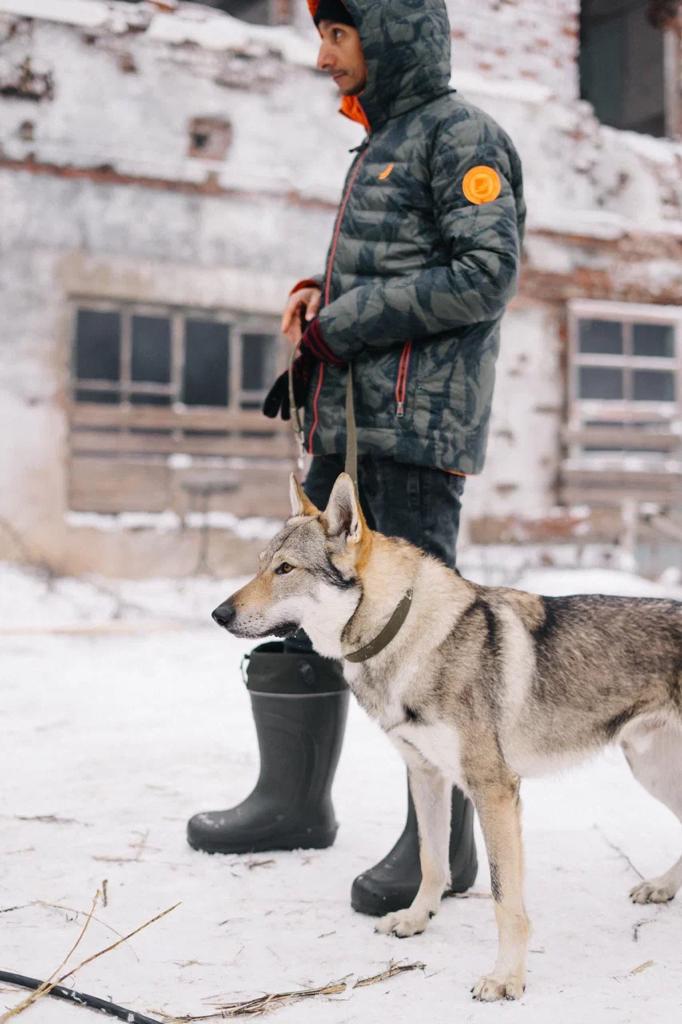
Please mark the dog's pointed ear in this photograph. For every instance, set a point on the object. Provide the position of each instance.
(301, 505)
(343, 513)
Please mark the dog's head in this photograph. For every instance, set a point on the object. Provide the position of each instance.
(309, 573)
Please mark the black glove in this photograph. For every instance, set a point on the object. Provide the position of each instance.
(277, 399)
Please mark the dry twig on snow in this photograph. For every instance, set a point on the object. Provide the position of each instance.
(251, 864)
(621, 853)
(274, 1001)
(390, 972)
(49, 819)
(51, 982)
(79, 913)
(48, 985)
(258, 1006)
(114, 945)
(640, 924)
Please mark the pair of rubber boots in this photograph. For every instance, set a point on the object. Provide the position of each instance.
(300, 705)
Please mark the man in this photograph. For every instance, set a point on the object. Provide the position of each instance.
(423, 260)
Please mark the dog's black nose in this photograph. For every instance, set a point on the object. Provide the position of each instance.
(224, 614)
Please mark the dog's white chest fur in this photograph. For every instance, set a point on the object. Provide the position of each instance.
(438, 745)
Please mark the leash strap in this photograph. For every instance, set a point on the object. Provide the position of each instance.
(243, 667)
(296, 422)
(351, 430)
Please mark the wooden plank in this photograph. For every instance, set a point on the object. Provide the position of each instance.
(102, 443)
(574, 494)
(601, 486)
(613, 471)
(84, 414)
(662, 480)
(112, 485)
(262, 491)
(627, 439)
(590, 409)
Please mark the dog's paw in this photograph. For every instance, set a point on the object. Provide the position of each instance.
(489, 989)
(653, 891)
(403, 923)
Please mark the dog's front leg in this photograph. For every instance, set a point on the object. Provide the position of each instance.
(432, 802)
(499, 811)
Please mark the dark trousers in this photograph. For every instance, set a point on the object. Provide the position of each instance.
(417, 503)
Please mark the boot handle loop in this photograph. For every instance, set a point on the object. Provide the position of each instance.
(245, 660)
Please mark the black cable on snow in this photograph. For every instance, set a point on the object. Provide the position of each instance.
(79, 998)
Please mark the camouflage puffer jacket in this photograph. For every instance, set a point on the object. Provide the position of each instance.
(424, 254)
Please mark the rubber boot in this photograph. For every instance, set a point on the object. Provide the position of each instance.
(300, 705)
(392, 883)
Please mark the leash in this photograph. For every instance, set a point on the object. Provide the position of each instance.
(351, 432)
(351, 466)
(394, 624)
(296, 421)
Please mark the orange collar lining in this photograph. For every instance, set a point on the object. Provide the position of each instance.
(352, 108)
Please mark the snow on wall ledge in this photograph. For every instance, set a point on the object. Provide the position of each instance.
(189, 23)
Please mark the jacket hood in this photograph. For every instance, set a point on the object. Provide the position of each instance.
(406, 44)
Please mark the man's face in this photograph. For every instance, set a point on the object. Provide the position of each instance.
(341, 56)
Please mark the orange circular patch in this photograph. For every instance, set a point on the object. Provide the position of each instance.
(481, 185)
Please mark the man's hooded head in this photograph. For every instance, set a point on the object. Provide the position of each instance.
(406, 47)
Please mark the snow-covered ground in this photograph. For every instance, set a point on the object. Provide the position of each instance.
(123, 713)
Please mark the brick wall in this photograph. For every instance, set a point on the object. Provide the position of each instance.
(531, 40)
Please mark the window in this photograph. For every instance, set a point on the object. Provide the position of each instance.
(629, 65)
(258, 368)
(259, 12)
(625, 375)
(206, 369)
(639, 358)
(166, 406)
(209, 138)
(143, 356)
(97, 355)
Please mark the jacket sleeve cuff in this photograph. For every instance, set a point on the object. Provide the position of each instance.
(314, 340)
(307, 282)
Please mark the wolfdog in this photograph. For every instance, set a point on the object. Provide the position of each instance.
(477, 686)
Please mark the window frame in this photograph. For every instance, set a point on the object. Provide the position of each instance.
(671, 68)
(238, 324)
(277, 13)
(582, 411)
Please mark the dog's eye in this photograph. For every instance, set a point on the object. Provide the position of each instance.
(283, 569)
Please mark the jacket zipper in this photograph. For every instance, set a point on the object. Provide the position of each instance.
(339, 221)
(401, 382)
(328, 284)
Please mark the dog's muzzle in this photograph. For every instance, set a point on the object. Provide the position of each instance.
(224, 614)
